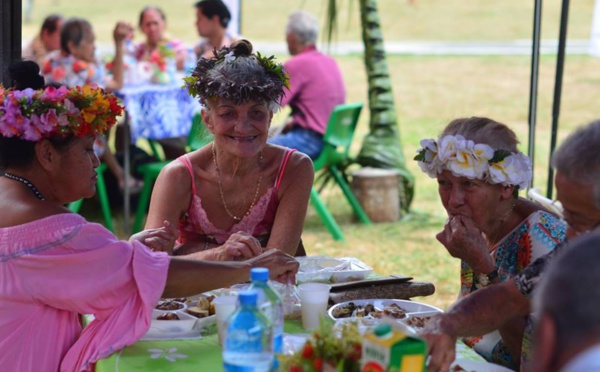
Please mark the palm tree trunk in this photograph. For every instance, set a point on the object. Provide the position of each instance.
(381, 148)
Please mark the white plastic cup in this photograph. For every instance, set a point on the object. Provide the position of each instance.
(224, 307)
(313, 299)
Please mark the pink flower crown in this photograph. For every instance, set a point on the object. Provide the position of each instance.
(35, 114)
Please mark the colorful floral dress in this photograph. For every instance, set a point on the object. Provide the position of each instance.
(71, 71)
(535, 237)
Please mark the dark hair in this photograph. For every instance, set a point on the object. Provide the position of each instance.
(73, 31)
(50, 23)
(25, 74)
(211, 8)
(14, 151)
(151, 7)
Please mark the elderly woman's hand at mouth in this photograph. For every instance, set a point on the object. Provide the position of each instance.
(464, 240)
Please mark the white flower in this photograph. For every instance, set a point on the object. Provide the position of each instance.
(229, 57)
(171, 354)
(431, 149)
(515, 170)
(448, 145)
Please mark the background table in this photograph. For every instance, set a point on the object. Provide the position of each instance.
(158, 111)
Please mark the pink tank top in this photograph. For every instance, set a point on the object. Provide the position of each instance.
(196, 226)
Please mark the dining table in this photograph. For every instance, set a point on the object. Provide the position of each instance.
(201, 350)
(153, 112)
(204, 353)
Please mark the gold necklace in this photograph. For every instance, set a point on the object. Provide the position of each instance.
(260, 161)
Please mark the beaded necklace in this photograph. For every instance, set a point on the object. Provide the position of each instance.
(27, 183)
(260, 162)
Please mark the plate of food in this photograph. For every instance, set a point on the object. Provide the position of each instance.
(325, 269)
(182, 318)
(369, 312)
(418, 320)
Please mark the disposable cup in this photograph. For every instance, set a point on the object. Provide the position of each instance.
(313, 300)
(224, 307)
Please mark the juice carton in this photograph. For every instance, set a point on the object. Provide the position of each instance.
(389, 350)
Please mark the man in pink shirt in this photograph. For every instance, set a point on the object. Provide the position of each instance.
(316, 87)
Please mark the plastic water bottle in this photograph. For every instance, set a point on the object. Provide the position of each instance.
(269, 302)
(171, 69)
(129, 63)
(249, 338)
(190, 61)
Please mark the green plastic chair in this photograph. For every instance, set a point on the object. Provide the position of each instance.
(198, 137)
(337, 141)
(102, 195)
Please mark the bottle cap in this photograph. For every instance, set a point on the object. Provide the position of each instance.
(247, 297)
(259, 274)
(382, 329)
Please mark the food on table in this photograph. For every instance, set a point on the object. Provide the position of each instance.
(351, 309)
(202, 307)
(369, 310)
(418, 321)
(394, 311)
(197, 312)
(169, 305)
(168, 316)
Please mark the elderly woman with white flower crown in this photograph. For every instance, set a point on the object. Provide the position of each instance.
(237, 195)
(55, 265)
(493, 231)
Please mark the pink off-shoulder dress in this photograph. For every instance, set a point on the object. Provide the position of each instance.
(55, 268)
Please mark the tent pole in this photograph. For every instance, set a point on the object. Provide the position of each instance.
(533, 83)
(560, 62)
(10, 36)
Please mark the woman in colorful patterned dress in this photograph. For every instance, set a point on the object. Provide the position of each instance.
(493, 231)
(237, 192)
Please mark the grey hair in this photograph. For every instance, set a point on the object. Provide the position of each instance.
(569, 293)
(483, 130)
(304, 25)
(577, 157)
(245, 70)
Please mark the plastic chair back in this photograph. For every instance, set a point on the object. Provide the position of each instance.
(199, 135)
(339, 134)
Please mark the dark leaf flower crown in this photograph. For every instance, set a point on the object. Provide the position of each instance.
(267, 87)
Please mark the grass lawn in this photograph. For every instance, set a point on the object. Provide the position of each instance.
(429, 91)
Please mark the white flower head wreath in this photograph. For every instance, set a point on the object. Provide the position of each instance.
(465, 158)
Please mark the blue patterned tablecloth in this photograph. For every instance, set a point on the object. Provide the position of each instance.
(159, 111)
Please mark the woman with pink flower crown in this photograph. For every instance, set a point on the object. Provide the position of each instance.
(493, 231)
(55, 265)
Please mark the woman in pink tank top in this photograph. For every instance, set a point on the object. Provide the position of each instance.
(238, 195)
